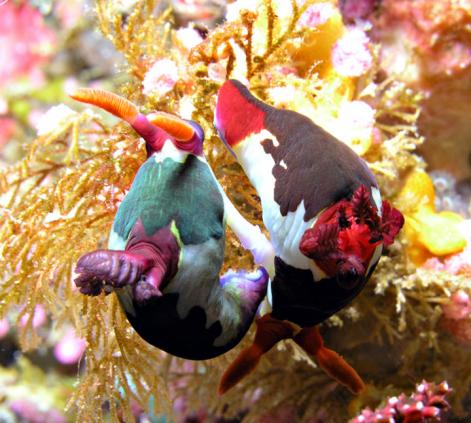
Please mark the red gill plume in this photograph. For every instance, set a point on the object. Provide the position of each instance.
(343, 240)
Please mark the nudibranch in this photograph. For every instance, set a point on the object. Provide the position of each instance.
(323, 209)
(166, 246)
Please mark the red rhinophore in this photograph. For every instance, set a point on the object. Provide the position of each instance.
(236, 116)
(345, 236)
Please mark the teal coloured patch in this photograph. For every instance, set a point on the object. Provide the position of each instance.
(183, 192)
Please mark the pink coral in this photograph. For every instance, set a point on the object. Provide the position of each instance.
(351, 55)
(457, 316)
(69, 349)
(161, 77)
(188, 38)
(39, 317)
(427, 404)
(459, 306)
(7, 129)
(317, 14)
(353, 10)
(25, 41)
(358, 114)
(438, 32)
(30, 412)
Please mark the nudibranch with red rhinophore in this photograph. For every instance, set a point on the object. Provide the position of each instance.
(166, 246)
(323, 209)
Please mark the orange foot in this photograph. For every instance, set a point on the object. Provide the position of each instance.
(310, 340)
(269, 332)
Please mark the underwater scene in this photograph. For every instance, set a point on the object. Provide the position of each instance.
(227, 211)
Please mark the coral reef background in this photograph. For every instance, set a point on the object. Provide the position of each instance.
(390, 78)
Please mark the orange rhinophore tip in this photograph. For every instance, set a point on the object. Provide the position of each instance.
(115, 104)
(173, 125)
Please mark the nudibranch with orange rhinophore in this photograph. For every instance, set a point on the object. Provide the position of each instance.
(323, 209)
(166, 246)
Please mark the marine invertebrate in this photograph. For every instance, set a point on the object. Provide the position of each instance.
(317, 14)
(427, 404)
(160, 78)
(428, 232)
(70, 348)
(327, 226)
(187, 38)
(434, 32)
(37, 318)
(72, 180)
(351, 55)
(456, 318)
(357, 125)
(166, 246)
(354, 10)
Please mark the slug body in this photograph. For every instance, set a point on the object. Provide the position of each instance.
(322, 207)
(166, 248)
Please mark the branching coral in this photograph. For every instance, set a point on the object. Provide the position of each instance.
(57, 203)
(60, 200)
(428, 403)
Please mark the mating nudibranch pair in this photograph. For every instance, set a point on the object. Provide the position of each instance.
(320, 203)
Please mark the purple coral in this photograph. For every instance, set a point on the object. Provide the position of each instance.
(426, 404)
(353, 10)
